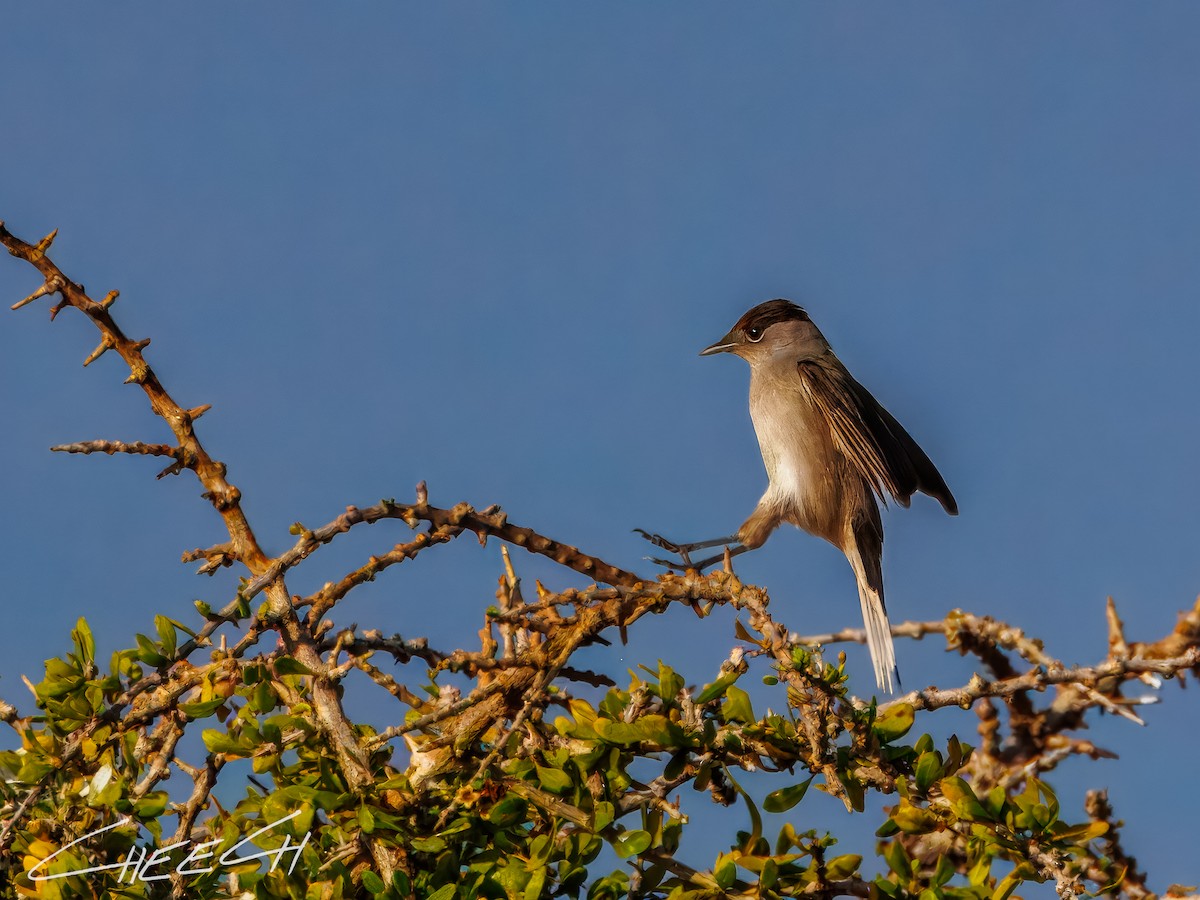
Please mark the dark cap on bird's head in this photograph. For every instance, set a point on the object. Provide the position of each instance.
(754, 324)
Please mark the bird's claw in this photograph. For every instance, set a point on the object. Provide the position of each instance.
(670, 546)
(658, 540)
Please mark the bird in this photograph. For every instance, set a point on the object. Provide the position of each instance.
(829, 449)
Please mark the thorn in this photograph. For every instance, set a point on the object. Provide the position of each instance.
(1144, 700)
(1108, 704)
(44, 244)
(109, 299)
(173, 469)
(197, 411)
(103, 347)
(40, 292)
(1117, 646)
(58, 307)
(142, 344)
(510, 574)
(138, 374)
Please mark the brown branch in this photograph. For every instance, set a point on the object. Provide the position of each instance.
(1133, 883)
(1038, 679)
(111, 447)
(204, 780)
(226, 500)
(914, 630)
(446, 525)
(220, 556)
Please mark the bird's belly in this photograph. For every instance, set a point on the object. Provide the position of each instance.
(803, 469)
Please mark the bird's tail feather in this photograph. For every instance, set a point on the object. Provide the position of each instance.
(879, 638)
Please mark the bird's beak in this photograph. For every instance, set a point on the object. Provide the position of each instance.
(724, 345)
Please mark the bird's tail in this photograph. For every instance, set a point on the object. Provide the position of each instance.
(865, 554)
(879, 638)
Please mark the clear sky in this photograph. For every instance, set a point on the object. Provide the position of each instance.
(482, 244)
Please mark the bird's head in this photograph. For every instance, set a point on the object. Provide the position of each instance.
(777, 326)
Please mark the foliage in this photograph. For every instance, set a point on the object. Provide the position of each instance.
(511, 773)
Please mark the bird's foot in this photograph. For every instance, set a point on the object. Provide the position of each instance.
(683, 551)
(680, 550)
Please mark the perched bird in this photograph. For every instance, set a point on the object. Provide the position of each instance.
(829, 448)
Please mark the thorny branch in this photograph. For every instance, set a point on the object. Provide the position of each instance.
(515, 678)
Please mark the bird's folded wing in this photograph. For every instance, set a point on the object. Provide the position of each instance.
(874, 442)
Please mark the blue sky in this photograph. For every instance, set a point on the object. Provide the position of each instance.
(482, 245)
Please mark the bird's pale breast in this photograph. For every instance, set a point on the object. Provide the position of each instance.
(798, 451)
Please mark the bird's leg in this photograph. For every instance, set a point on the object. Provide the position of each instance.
(684, 550)
(720, 557)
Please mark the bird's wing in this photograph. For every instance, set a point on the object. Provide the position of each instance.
(874, 442)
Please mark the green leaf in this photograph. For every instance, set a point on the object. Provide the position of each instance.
(372, 882)
(286, 665)
(856, 792)
(887, 829)
(201, 709)
(669, 683)
(783, 799)
(981, 871)
(737, 706)
(151, 806)
(218, 741)
(366, 821)
(166, 634)
(944, 871)
(445, 892)
(887, 887)
(676, 765)
(725, 872)
(660, 730)
(1007, 885)
(615, 732)
(928, 770)
(994, 801)
(898, 860)
(963, 800)
(631, 843)
(717, 688)
(957, 753)
(428, 845)
(914, 820)
(508, 811)
(1081, 834)
(556, 781)
(842, 867)
(582, 711)
(894, 723)
(400, 884)
(33, 771)
(85, 644)
(603, 815)
(537, 880)
(148, 652)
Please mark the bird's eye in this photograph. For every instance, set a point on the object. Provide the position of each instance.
(755, 334)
